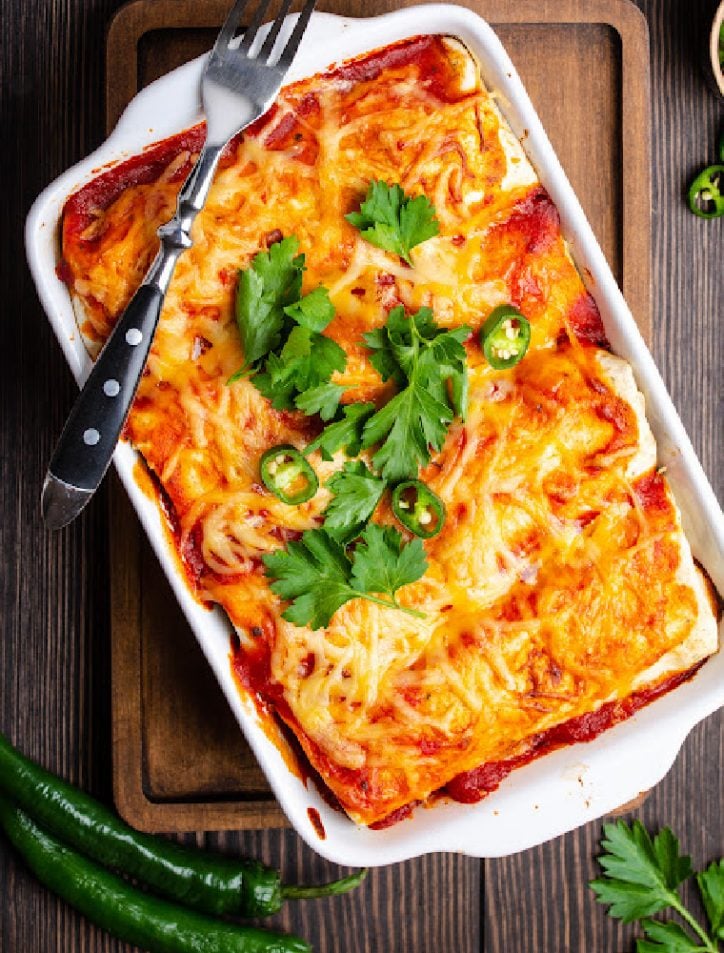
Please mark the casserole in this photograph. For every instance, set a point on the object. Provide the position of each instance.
(494, 68)
(556, 576)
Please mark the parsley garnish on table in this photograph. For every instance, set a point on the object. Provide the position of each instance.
(393, 221)
(429, 365)
(642, 876)
(318, 576)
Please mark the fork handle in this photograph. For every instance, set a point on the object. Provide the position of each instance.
(92, 430)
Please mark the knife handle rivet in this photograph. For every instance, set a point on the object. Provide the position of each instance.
(91, 437)
(133, 337)
(111, 388)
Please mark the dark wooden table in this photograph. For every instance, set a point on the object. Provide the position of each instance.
(54, 665)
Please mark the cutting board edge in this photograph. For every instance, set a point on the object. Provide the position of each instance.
(130, 23)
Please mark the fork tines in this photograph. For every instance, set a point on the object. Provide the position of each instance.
(233, 26)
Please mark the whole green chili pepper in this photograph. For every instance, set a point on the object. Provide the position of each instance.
(124, 911)
(216, 885)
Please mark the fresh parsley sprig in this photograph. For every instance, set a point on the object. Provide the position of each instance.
(271, 283)
(291, 362)
(318, 576)
(289, 359)
(323, 399)
(642, 877)
(394, 221)
(343, 434)
(299, 375)
(429, 364)
(357, 492)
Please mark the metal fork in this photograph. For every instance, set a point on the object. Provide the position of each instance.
(239, 84)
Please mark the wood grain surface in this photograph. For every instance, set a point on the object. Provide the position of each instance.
(179, 761)
(54, 650)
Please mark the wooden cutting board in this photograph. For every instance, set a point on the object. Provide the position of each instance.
(180, 762)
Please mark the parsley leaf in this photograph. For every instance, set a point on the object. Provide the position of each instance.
(711, 887)
(667, 937)
(276, 383)
(325, 357)
(342, 434)
(383, 563)
(641, 873)
(406, 425)
(628, 902)
(422, 358)
(322, 399)
(305, 363)
(357, 491)
(393, 221)
(314, 573)
(642, 877)
(273, 282)
(313, 311)
(318, 577)
(383, 359)
(311, 358)
(674, 867)
(283, 330)
(634, 858)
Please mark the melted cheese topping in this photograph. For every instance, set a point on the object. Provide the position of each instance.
(561, 579)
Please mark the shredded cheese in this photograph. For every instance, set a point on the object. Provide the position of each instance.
(561, 578)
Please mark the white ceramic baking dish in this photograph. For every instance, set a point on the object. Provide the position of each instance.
(561, 790)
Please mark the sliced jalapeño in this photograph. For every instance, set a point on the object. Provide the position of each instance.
(418, 508)
(706, 193)
(288, 475)
(505, 337)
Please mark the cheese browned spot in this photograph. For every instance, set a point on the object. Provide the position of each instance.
(561, 580)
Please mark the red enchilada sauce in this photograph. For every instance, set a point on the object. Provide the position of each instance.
(316, 821)
(253, 672)
(532, 226)
(148, 166)
(472, 786)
